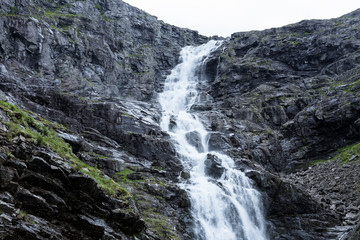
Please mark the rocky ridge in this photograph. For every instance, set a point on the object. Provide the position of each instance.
(275, 101)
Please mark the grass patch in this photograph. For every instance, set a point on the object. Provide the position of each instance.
(345, 153)
(123, 175)
(96, 155)
(53, 15)
(160, 227)
(40, 133)
(23, 215)
(345, 86)
(318, 161)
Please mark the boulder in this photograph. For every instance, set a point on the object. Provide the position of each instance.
(194, 139)
(213, 167)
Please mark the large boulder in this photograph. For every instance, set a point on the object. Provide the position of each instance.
(213, 167)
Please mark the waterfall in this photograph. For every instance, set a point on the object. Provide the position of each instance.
(223, 203)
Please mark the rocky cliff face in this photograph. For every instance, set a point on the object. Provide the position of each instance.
(276, 101)
(283, 99)
(86, 64)
(90, 48)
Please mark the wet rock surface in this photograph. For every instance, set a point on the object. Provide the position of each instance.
(213, 167)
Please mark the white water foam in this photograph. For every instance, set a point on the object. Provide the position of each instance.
(226, 208)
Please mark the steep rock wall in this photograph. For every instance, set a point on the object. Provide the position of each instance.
(282, 99)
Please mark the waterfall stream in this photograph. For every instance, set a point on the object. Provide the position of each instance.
(223, 203)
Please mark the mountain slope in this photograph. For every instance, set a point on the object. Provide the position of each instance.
(286, 98)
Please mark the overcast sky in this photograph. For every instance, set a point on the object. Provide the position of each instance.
(224, 17)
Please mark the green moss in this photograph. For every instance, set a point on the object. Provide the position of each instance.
(105, 18)
(35, 131)
(53, 15)
(13, 10)
(23, 215)
(11, 15)
(318, 161)
(294, 43)
(351, 87)
(160, 226)
(123, 175)
(84, 99)
(345, 153)
(95, 155)
(128, 115)
(63, 30)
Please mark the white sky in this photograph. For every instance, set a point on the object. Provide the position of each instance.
(224, 17)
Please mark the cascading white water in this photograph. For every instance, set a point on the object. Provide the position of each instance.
(226, 206)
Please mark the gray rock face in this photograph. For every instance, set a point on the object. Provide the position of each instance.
(294, 87)
(45, 199)
(90, 48)
(194, 139)
(282, 98)
(213, 167)
(334, 185)
(94, 66)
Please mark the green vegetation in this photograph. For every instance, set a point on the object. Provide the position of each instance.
(105, 18)
(343, 154)
(53, 15)
(23, 215)
(95, 155)
(318, 161)
(160, 226)
(13, 10)
(44, 134)
(128, 115)
(64, 30)
(294, 43)
(123, 175)
(349, 87)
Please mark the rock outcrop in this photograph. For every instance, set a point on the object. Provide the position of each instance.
(282, 99)
(276, 101)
